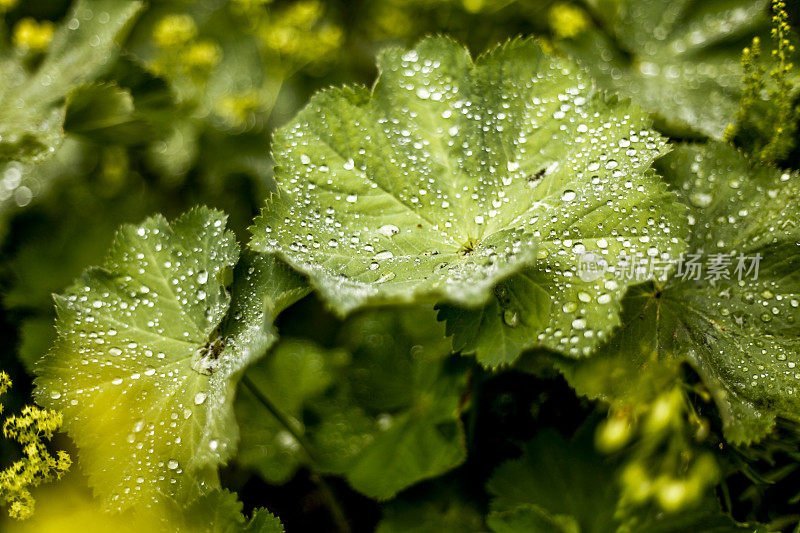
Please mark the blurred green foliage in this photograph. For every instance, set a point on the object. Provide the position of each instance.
(174, 105)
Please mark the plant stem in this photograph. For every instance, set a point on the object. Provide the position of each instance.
(335, 509)
(284, 421)
(337, 513)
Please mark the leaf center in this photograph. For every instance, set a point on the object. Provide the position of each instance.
(207, 359)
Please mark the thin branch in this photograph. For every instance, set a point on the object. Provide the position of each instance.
(334, 507)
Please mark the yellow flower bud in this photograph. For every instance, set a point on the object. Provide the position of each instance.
(174, 31)
(567, 20)
(613, 434)
(664, 411)
(672, 494)
(203, 55)
(236, 110)
(473, 6)
(303, 14)
(638, 485)
(32, 35)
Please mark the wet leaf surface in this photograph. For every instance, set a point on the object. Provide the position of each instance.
(740, 332)
(146, 363)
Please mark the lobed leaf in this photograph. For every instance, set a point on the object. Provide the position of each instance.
(452, 175)
(557, 482)
(385, 413)
(145, 366)
(741, 333)
(105, 113)
(561, 486)
(436, 508)
(217, 512)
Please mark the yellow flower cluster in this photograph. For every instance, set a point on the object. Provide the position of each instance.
(30, 429)
(249, 6)
(763, 114)
(238, 108)
(567, 21)
(787, 113)
(5, 5)
(174, 31)
(664, 467)
(296, 34)
(32, 35)
(290, 37)
(181, 52)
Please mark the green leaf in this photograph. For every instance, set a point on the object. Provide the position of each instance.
(570, 302)
(292, 374)
(707, 518)
(741, 336)
(32, 102)
(680, 60)
(561, 486)
(219, 511)
(145, 366)
(531, 518)
(397, 419)
(264, 522)
(105, 113)
(439, 183)
(629, 371)
(555, 478)
(500, 331)
(385, 417)
(438, 508)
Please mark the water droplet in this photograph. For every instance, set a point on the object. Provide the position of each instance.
(388, 230)
(382, 256)
(511, 318)
(701, 199)
(569, 195)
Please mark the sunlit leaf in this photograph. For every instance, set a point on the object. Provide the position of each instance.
(69, 506)
(217, 512)
(145, 365)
